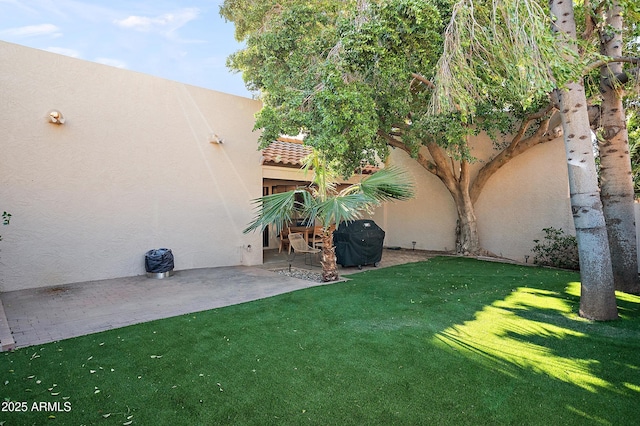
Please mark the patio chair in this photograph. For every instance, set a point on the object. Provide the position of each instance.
(284, 240)
(316, 240)
(299, 245)
(316, 237)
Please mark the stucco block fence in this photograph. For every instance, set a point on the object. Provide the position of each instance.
(136, 166)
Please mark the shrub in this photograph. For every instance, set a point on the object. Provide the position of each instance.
(557, 249)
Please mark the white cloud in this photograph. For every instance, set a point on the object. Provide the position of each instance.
(111, 62)
(64, 51)
(165, 24)
(32, 31)
(139, 23)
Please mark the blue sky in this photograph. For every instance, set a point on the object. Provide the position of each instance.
(186, 41)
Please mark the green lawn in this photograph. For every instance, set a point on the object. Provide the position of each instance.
(449, 341)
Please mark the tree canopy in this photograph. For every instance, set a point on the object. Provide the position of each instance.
(339, 71)
(342, 72)
(357, 76)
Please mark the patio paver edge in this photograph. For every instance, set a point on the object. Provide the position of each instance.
(6, 338)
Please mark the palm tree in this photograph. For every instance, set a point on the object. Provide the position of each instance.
(321, 202)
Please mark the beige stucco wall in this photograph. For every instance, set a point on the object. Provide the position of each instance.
(429, 219)
(529, 193)
(131, 169)
(524, 196)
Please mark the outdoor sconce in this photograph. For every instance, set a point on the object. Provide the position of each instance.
(56, 117)
(214, 138)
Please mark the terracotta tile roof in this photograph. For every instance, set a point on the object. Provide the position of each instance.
(289, 152)
(369, 169)
(285, 153)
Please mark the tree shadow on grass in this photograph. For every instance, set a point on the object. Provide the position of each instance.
(513, 327)
(537, 331)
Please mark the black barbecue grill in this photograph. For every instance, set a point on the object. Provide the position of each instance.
(358, 243)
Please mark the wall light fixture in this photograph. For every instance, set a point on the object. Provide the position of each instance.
(214, 138)
(56, 117)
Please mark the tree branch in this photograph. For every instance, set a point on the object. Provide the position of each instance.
(465, 175)
(597, 64)
(589, 19)
(443, 171)
(422, 160)
(423, 80)
(527, 122)
(515, 148)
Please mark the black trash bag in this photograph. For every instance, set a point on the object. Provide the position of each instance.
(159, 260)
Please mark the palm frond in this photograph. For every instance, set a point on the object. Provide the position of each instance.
(278, 209)
(346, 208)
(390, 183)
(329, 208)
(324, 177)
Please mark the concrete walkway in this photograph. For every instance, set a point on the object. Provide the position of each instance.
(43, 315)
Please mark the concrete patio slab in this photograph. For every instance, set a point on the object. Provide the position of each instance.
(49, 314)
(53, 313)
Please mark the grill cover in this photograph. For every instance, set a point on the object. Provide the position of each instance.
(358, 243)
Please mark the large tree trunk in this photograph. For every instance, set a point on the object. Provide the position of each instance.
(597, 297)
(458, 185)
(465, 193)
(329, 265)
(467, 240)
(615, 163)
